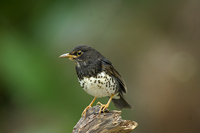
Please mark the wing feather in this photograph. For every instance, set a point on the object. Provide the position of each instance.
(112, 71)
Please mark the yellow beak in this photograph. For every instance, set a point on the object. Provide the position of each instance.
(67, 55)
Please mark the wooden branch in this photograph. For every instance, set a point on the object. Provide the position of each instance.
(107, 122)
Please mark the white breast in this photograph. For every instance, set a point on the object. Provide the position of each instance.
(100, 86)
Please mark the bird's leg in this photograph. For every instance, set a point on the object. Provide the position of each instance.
(105, 106)
(90, 105)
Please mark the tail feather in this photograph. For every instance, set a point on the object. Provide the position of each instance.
(121, 102)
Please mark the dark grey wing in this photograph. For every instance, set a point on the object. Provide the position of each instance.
(107, 65)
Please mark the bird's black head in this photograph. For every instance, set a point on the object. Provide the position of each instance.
(83, 55)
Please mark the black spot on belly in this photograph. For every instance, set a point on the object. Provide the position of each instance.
(99, 86)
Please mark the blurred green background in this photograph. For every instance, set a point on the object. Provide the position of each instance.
(155, 45)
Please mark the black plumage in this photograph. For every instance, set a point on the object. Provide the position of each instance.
(91, 65)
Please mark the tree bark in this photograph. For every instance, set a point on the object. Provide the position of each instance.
(107, 122)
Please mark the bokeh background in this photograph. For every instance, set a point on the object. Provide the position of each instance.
(155, 45)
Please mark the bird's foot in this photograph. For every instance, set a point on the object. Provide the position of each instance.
(103, 107)
(85, 110)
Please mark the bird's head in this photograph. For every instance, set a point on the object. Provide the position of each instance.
(82, 55)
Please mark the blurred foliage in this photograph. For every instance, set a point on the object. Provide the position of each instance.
(153, 44)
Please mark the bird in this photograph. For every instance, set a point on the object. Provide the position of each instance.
(98, 77)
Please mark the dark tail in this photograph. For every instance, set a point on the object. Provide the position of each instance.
(121, 103)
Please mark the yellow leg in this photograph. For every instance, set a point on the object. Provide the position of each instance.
(90, 105)
(105, 106)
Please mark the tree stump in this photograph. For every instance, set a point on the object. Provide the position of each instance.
(107, 122)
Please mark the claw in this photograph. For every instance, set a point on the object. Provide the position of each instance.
(105, 106)
(89, 106)
(85, 110)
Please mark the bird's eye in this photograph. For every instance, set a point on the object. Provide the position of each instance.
(79, 53)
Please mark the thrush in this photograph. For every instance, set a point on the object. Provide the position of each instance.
(98, 77)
